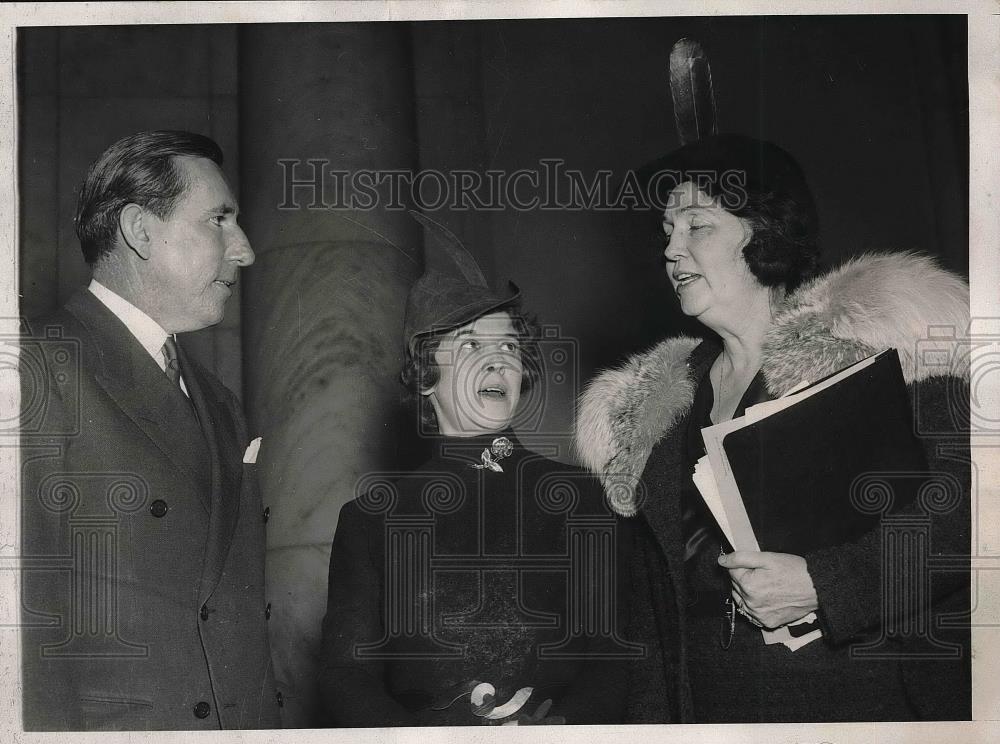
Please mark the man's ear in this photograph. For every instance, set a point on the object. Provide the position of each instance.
(133, 228)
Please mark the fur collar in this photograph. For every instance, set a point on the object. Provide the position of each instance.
(626, 410)
(874, 302)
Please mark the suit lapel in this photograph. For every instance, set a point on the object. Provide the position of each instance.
(132, 379)
(227, 474)
(137, 385)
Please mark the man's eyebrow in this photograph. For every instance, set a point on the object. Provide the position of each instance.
(225, 208)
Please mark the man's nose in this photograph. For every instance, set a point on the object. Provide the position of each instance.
(239, 248)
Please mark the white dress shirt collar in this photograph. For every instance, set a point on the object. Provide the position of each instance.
(146, 330)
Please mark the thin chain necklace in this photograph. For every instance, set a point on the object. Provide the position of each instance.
(720, 382)
(720, 385)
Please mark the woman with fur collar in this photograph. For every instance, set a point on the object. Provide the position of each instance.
(742, 258)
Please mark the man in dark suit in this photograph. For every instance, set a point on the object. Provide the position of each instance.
(142, 529)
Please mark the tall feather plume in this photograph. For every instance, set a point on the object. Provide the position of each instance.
(691, 88)
(448, 242)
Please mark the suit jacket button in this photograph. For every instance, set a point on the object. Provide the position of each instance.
(202, 709)
(204, 616)
(281, 700)
(267, 514)
(267, 611)
(158, 508)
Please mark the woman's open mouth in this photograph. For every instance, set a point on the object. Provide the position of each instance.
(493, 393)
(685, 278)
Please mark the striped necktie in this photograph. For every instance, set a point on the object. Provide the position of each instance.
(173, 368)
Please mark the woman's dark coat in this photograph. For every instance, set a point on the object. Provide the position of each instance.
(491, 571)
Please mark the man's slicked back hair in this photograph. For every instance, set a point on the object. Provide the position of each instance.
(138, 169)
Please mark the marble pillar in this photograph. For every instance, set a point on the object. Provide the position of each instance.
(323, 305)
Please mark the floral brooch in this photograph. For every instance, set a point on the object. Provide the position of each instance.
(498, 450)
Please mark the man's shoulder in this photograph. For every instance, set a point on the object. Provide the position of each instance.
(81, 321)
(55, 347)
(53, 323)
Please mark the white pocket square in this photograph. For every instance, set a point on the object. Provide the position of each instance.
(250, 456)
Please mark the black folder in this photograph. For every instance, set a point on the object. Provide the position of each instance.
(796, 468)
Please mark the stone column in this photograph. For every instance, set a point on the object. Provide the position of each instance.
(323, 305)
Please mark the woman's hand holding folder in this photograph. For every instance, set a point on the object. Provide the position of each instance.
(773, 588)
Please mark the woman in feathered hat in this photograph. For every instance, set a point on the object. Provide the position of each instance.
(741, 254)
(455, 592)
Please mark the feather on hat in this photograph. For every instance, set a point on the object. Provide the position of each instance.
(452, 290)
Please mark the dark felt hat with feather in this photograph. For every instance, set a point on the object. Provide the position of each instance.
(452, 290)
(731, 164)
(733, 167)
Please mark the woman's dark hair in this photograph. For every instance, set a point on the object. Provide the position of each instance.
(756, 181)
(420, 370)
(138, 169)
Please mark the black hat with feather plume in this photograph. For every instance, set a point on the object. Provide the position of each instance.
(452, 290)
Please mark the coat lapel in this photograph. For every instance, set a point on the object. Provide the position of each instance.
(663, 473)
(227, 474)
(132, 379)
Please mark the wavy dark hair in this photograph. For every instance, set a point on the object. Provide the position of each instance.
(138, 169)
(420, 370)
(760, 183)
